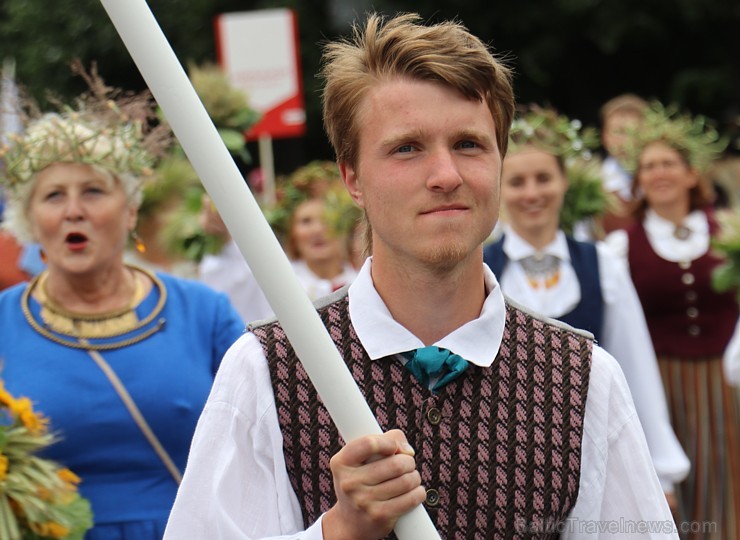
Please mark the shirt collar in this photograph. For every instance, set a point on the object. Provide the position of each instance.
(477, 341)
(517, 248)
(660, 227)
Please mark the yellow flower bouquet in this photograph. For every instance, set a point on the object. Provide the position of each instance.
(38, 497)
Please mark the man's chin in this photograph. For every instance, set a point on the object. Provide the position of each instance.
(445, 256)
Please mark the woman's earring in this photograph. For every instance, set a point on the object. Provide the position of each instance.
(138, 242)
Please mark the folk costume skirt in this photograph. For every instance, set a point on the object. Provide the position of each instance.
(705, 414)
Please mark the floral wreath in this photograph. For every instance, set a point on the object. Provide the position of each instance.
(695, 137)
(554, 133)
(103, 128)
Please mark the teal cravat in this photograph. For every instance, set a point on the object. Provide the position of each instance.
(430, 362)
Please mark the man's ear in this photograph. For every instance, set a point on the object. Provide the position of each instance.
(351, 182)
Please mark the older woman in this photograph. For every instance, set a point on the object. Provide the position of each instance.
(580, 283)
(669, 257)
(121, 360)
(313, 217)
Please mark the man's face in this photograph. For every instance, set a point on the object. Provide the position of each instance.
(427, 173)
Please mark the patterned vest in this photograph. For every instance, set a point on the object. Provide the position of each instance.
(498, 449)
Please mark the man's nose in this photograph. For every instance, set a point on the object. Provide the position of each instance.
(444, 174)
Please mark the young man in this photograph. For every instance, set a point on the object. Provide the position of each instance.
(523, 427)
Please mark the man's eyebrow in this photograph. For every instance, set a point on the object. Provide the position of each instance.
(475, 134)
(416, 134)
(402, 137)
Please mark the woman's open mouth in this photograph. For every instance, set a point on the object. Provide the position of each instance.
(76, 241)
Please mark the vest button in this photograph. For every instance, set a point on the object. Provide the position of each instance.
(432, 497)
(684, 265)
(691, 296)
(434, 415)
(694, 330)
(692, 312)
(687, 278)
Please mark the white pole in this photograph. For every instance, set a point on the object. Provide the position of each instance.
(194, 129)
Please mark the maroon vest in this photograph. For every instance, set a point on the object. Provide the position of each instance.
(685, 316)
(499, 449)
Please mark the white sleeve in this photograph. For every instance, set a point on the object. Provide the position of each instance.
(619, 493)
(229, 273)
(618, 244)
(626, 337)
(731, 360)
(236, 486)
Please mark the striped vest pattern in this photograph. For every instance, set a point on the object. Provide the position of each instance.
(498, 449)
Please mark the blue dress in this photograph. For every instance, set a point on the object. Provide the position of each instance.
(168, 374)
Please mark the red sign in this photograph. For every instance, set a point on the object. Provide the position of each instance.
(259, 52)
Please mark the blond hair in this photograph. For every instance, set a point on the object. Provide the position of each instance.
(446, 53)
(623, 104)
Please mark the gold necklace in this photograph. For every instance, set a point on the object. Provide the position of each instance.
(86, 325)
(58, 323)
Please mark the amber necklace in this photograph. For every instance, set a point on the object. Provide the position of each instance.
(541, 269)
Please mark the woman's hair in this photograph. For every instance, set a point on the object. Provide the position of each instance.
(445, 53)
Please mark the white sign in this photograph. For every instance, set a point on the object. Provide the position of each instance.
(259, 52)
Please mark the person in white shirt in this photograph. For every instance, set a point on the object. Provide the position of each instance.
(620, 116)
(579, 283)
(496, 420)
(316, 244)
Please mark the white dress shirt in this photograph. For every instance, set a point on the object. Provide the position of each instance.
(616, 179)
(660, 235)
(229, 273)
(236, 485)
(624, 334)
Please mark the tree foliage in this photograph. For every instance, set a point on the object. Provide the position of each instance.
(576, 54)
(571, 54)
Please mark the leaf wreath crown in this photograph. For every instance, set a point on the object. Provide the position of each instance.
(693, 136)
(102, 128)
